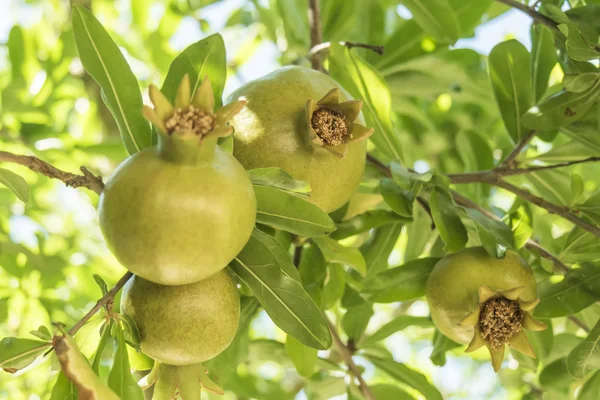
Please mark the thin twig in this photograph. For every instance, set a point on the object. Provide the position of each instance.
(87, 180)
(517, 150)
(579, 323)
(461, 200)
(482, 176)
(347, 356)
(316, 38)
(550, 207)
(532, 13)
(109, 296)
(327, 45)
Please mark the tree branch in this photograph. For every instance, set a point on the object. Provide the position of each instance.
(550, 23)
(482, 176)
(461, 200)
(347, 356)
(579, 323)
(87, 180)
(316, 38)
(108, 297)
(517, 150)
(327, 45)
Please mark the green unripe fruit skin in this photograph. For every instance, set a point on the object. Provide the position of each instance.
(183, 325)
(271, 131)
(177, 222)
(453, 286)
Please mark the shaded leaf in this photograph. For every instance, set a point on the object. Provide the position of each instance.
(366, 221)
(436, 18)
(591, 388)
(447, 221)
(17, 353)
(409, 376)
(543, 59)
(586, 356)
(378, 248)
(120, 379)
(356, 319)
(397, 324)
(278, 178)
(556, 375)
(339, 254)
(495, 236)
(441, 344)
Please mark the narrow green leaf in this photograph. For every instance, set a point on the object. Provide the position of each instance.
(303, 357)
(17, 353)
(520, 222)
(120, 379)
(396, 325)
(586, 356)
(409, 376)
(556, 375)
(339, 254)
(366, 221)
(581, 82)
(562, 296)
(419, 233)
(120, 90)
(447, 221)
(543, 59)
(365, 83)
(105, 335)
(441, 344)
(333, 287)
(356, 319)
(580, 246)
(100, 282)
(283, 257)
(283, 298)
(509, 65)
(378, 248)
(15, 183)
(400, 200)
(63, 389)
(590, 388)
(205, 58)
(401, 283)
(387, 391)
(436, 18)
(42, 333)
(560, 109)
(286, 211)
(278, 178)
(495, 236)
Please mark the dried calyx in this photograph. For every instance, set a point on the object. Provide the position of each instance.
(332, 124)
(499, 319)
(192, 116)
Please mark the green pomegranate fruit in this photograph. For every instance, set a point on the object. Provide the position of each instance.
(181, 211)
(481, 300)
(187, 324)
(302, 121)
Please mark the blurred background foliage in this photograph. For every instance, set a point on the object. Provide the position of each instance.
(443, 110)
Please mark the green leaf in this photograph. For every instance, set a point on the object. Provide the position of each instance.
(397, 324)
(356, 319)
(100, 282)
(406, 179)
(509, 65)
(579, 246)
(378, 248)
(120, 379)
(570, 151)
(76, 367)
(303, 357)
(562, 296)
(560, 109)
(586, 356)
(578, 47)
(278, 178)
(387, 391)
(120, 90)
(495, 236)
(419, 233)
(15, 183)
(333, 287)
(42, 333)
(436, 18)
(17, 353)
(447, 221)
(520, 222)
(286, 211)
(399, 200)
(101, 345)
(364, 82)
(543, 59)
(409, 376)
(556, 375)
(469, 13)
(203, 58)
(441, 344)
(64, 389)
(131, 332)
(366, 221)
(283, 257)
(283, 298)
(339, 254)
(591, 388)
(581, 82)
(401, 283)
